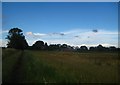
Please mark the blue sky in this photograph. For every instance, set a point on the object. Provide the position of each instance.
(70, 23)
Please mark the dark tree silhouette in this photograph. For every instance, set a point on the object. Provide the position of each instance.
(92, 48)
(39, 45)
(16, 39)
(54, 47)
(83, 48)
(46, 46)
(64, 46)
(100, 48)
(113, 48)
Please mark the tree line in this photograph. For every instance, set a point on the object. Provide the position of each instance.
(17, 40)
(40, 45)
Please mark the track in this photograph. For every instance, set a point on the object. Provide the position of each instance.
(16, 69)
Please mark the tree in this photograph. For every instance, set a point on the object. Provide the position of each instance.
(100, 48)
(46, 46)
(83, 48)
(92, 48)
(113, 48)
(38, 45)
(16, 39)
(64, 45)
(54, 47)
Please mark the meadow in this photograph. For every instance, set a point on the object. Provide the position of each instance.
(30, 66)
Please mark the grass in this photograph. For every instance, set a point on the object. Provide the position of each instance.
(64, 67)
(8, 62)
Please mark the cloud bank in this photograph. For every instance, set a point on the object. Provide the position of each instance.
(77, 37)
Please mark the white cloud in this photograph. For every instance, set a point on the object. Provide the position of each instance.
(71, 31)
(29, 33)
(76, 37)
(104, 32)
(39, 34)
(87, 37)
(3, 43)
(3, 31)
(35, 34)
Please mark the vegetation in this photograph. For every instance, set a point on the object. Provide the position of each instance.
(60, 67)
(16, 39)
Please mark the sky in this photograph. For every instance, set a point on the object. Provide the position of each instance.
(60, 0)
(72, 23)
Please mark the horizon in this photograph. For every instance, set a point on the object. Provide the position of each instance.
(74, 24)
(69, 45)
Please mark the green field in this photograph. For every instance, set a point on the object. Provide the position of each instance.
(59, 67)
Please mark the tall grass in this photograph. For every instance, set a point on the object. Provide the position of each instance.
(8, 63)
(80, 67)
(66, 67)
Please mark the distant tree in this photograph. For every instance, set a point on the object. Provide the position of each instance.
(92, 48)
(16, 39)
(54, 47)
(118, 49)
(113, 48)
(100, 48)
(64, 46)
(77, 48)
(46, 46)
(83, 48)
(38, 45)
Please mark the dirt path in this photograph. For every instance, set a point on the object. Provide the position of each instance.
(16, 69)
